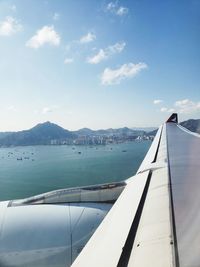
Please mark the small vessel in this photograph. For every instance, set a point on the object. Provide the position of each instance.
(19, 158)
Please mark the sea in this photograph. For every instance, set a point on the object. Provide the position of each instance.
(31, 170)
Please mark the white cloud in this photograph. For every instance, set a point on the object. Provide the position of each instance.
(184, 106)
(45, 35)
(168, 110)
(111, 6)
(114, 8)
(10, 26)
(68, 60)
(122, 11)
(56, 16)
(116, 48)
(157, 101)
(89, 37)
(187, 106)
(101, 55)
(49, 109)
(163, 109)
(46, 110)
(107, 52)
(115, 76)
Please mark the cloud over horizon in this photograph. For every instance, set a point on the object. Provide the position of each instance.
(169, 110)
(187, 106)
(89, 37)
(45, 35)
(114, 8)
(114, 76)
(49, 109)
(10, 26)
(106, 53)
(184, 106)
(157, 101)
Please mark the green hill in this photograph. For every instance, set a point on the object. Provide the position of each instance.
(41, 134)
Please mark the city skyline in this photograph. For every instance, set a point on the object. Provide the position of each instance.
(98, 64)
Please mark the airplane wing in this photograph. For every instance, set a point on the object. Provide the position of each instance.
(150, 220)
(155, 221)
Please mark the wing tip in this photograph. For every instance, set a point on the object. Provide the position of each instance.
(173, 118)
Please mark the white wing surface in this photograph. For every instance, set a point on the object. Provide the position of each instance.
(155, 221)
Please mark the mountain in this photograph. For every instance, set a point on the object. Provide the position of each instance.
(41, 134)
(46, 133)
(3, 134)
(192, 125)
(125, 131)
(146, 129)
(84, 131)
(152, 133)
(50, 133)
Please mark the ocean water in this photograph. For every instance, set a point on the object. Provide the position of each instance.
(31, 170)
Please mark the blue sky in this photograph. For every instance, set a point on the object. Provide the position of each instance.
(98, 64)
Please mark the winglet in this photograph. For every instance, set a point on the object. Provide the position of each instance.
(173, 118)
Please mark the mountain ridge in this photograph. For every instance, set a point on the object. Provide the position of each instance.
(40, 134)
(45, 133)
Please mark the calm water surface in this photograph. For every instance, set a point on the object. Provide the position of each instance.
(46, 168)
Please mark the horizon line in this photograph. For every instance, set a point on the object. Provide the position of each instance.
(73, 130)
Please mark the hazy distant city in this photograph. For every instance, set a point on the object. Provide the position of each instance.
(51, 134)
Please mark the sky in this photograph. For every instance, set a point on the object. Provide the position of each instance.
(98, 63)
